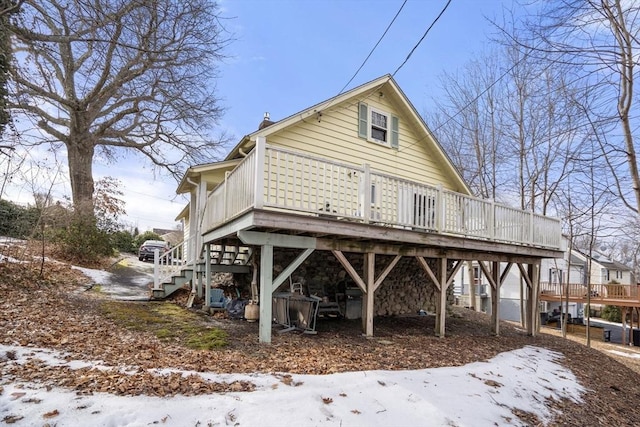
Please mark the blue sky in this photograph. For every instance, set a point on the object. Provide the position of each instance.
(287, 55)
(290, 54)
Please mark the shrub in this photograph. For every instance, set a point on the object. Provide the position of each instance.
(147, 235)
(123, 241)
(17, 221)
(83, 242)
(612, 313)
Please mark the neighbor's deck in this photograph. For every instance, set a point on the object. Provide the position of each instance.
(607, 294)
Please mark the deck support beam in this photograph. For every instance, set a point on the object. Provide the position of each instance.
(495, 278)
(441, 307)
(266, 287)
(442, 281)
(368, 284)
(530, 309)
(623, 312)
(472, 285)
(369, 280)
(291, 268)
(267, 241)
(199, 276)
(207, 274)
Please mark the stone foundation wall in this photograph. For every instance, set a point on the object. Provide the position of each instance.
(407, 289)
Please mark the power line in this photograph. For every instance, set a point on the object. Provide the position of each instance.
(460, 110)
(374, 48)
(422, 38)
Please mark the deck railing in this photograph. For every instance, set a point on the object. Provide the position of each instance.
(281, 179)
(599, 292)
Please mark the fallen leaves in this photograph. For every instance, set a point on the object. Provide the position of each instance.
(12, 419)
(51, 414)
(51, 313)
(492, 383)
(288, 380)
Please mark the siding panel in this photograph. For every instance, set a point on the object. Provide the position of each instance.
(334, 135)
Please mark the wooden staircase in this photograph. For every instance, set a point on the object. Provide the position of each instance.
(224, 258)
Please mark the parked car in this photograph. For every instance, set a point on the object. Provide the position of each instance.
(148, 248)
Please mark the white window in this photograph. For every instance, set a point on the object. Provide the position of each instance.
(378, 126)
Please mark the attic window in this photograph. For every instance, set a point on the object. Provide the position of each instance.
(378, 126)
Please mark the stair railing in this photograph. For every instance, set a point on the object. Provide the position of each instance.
(169, 263)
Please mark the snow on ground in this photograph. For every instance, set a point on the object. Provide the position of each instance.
(632, 355)
(99, 277)
(481, 393)
(11, 259)
(133, 286)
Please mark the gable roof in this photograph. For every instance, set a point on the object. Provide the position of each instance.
(194, 172)
(580, 258)
(248, 141)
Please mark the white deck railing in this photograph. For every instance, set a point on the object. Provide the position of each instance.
(296, 182)
(168, 263)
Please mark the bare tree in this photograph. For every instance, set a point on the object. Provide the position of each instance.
(510, 125)
(7, 7)
(103, 77)
(467, 122)
(600, 41)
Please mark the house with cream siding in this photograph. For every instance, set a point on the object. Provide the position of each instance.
(353, 189)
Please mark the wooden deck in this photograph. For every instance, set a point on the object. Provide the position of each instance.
(329, 233)
(277, 198)
(316, 190)
(606, 294)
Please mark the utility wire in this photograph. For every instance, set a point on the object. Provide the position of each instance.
(374, 48)
(422, 38)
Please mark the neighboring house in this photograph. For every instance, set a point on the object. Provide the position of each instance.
(352, 190)
(173, 237)
(611, 283)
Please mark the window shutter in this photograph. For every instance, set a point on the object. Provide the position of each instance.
(395, 134)
(363, 120)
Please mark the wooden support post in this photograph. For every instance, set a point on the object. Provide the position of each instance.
(624, 326)
(369, 280)
(441, 306)
(495, 298)
(532, 310)
(199, 277)
(535, 282)
(207, 275)
(472, 286)
(266, 286)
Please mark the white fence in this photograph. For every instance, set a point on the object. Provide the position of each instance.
(296, 182)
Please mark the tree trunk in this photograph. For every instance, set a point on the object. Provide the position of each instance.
(80, 157)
